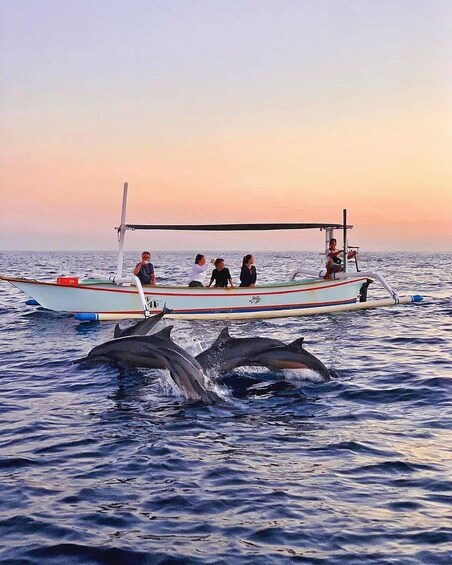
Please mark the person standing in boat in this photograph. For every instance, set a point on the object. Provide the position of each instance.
(198, 273)
(221, 274)
(334, 262)
(248, 274)
(144, 270)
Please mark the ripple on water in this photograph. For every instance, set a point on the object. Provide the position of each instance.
(99, 465)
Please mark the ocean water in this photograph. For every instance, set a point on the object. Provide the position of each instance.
(105, 466)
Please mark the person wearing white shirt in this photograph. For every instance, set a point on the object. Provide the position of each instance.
(198, 273)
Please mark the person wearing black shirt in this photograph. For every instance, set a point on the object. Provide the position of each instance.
(221, 275)
(144, 270)
(248, 274)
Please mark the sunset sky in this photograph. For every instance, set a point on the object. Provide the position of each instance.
(225, 111)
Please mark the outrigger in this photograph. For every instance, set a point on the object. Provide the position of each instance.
(124, 297)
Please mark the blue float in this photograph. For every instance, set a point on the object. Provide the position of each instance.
(87, 316)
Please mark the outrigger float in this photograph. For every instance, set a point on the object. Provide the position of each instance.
(124, 297)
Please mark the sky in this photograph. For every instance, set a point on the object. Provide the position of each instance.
(224, 111)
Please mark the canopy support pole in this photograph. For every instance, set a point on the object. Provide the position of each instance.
(345, 246)
(122, 233)
(329, 234)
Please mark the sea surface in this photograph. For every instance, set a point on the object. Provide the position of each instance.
(99, 465)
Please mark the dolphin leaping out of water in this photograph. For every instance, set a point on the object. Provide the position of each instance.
(143, 327)
(291, 356)
(156, 351)
(227, 353)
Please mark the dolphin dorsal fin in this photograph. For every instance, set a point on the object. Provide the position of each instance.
(223, 337)
(165, 333)
(118, 331)
(297, 344)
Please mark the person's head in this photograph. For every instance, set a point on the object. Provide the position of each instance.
(219, 263)
(248, 260)
(146, 257)
(200, 260)
(333, 242)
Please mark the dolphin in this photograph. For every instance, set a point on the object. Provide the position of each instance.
(291, 356)
(143, 327)
(156, 351)
(227, 353)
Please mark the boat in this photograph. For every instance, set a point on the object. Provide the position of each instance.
(122, 296)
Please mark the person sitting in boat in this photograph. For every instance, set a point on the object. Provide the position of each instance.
(248, 274)
(144, 270)
(334, 262)
(198, 273)
(221, 274)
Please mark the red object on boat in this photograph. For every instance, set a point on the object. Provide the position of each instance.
(69, 281)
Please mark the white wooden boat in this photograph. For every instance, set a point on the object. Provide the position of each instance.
(125, 297)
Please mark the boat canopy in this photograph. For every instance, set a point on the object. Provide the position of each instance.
(123, 227)
(235, 227)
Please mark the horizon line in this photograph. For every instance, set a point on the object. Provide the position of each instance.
(210, 251)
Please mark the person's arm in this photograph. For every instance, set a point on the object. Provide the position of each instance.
(254, 278)
(138, 268)
(230, 279)
(203, 269)
(151, 274)
(208, 266)
(212, 277)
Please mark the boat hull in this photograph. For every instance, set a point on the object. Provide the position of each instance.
(107, 299)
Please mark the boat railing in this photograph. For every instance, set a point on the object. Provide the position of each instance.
(122, 281)
(299, 271)
(368, 274)
(143, 298)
